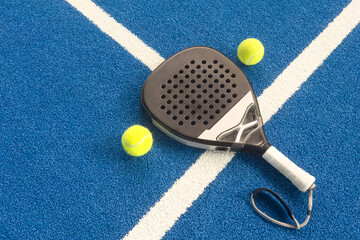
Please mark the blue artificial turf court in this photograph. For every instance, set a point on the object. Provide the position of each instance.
(68, 91)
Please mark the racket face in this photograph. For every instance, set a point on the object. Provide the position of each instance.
(201, 98)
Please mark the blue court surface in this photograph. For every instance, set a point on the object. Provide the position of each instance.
(68, 91)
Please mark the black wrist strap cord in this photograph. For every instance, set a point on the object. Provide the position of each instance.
(287, 208)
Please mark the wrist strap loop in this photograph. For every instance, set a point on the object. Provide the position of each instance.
(287, 208)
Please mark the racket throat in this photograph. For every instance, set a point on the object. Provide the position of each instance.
(248, 134)
(240, 132)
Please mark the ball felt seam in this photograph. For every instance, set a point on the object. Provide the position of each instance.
(256, 54)
(131, 145)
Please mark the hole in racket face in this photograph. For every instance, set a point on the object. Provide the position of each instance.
(197, 94)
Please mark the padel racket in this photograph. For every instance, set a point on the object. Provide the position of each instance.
(202, 99)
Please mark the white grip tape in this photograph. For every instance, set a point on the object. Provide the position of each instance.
(301, 179)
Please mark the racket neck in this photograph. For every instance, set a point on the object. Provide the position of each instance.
(258, 149)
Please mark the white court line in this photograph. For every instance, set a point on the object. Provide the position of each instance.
(118, 32)
(175, 202)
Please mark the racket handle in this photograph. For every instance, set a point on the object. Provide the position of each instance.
(301, 179)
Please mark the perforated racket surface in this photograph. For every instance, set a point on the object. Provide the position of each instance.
(201, 98)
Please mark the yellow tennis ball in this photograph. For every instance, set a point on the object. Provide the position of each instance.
(137, 140)
(250, 51)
